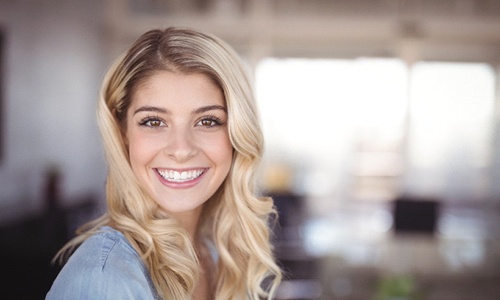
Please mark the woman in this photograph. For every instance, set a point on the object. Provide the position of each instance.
(182, 141)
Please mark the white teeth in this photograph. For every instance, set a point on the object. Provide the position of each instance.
(176, 176)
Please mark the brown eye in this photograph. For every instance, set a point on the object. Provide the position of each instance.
(152, 122)
(207, 123)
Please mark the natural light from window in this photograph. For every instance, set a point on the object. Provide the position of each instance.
(340, 128)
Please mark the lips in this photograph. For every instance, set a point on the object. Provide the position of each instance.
(180, 176)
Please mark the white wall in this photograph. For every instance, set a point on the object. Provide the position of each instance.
(54, 64)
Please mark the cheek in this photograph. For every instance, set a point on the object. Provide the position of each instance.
(224, 152)
(218, 149)
(141, 151)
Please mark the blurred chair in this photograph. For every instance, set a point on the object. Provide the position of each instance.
(300, 269)
(415, 215)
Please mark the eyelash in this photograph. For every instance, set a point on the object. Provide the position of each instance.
(148, 119)
(216, 121)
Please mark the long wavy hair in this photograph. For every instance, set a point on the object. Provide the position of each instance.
(235, 218)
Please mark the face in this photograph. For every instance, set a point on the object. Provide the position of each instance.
(178, 140)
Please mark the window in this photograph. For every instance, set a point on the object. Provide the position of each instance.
(340, 128)
(335, 124)
(450, 138)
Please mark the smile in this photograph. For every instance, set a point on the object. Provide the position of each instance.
(176, 176)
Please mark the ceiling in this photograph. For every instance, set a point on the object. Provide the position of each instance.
(412, 29)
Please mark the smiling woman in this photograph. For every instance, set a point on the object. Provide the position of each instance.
(184, 135)
(182, 140)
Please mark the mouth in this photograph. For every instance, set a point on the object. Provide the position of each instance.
(180, 176)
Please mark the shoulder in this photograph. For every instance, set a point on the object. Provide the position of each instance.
(103, 248)
(105, 266)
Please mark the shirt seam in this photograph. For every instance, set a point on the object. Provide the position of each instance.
(113, 237)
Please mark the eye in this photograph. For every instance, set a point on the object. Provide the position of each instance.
(209, 122)
(152, 122)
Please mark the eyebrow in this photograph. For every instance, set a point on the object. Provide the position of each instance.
(151, 109)
(200, 110)
(209, 108)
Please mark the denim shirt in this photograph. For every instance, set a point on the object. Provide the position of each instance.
(105, 266)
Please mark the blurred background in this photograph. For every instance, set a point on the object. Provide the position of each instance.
(382, 126)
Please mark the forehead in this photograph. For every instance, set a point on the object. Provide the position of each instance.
(177, 89)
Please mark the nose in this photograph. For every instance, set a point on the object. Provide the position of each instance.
(180, 145)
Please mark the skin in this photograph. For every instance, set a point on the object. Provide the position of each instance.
(178, 142)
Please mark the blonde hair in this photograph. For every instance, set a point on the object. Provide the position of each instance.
(236, 218)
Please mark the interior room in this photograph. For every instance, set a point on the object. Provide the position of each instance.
(381, 120)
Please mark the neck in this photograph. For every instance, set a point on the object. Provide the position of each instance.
(205, 286)
(189, 221)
